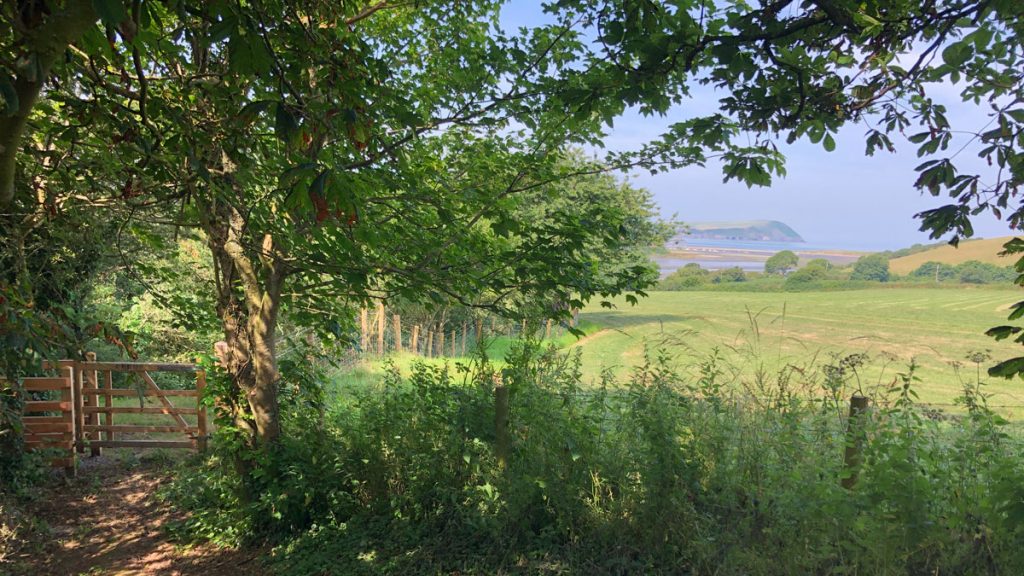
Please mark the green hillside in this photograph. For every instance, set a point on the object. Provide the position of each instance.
(765, 230)
(986, 250)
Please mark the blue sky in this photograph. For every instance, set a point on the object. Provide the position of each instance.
(841, 199)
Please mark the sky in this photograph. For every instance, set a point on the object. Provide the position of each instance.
(839, 199)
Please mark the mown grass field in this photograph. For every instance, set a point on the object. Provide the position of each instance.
(985, 250)
(935, 328)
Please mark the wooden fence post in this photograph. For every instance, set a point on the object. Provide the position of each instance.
(547, 330)
(91, 380)
(398, 332)
(465, 328)
(440, 340)
(108, 402)
(67, 394)
(414, 340)
(380, 328)
(428, 346)
(364, 332)
(854, 441)
(77, 406)
(203, 434)
(454, 340)
(479, 329)
(502, 442)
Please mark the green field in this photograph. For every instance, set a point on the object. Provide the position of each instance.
(936, 328)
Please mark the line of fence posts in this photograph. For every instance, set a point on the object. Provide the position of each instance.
(381, 332)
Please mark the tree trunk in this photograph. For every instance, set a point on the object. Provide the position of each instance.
(249, 319)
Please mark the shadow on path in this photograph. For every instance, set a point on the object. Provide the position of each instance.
(107, 521)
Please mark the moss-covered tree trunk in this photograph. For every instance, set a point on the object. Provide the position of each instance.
(248, 305)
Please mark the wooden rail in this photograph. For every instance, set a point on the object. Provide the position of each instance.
(49, 424)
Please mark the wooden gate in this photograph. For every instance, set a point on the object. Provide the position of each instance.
(49, 424)
(94, 400)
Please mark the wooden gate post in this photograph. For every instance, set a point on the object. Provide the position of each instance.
(414, 340)
(428, 345)
(479, 329)
(108, 403)
(67, 394)
(77, 405)
(854, 441)
(440, 341)
(364, 330)
(90, 380)
(465, 329)
(380, 328)
(202, 436)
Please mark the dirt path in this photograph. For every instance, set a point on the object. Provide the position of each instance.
(108, 522)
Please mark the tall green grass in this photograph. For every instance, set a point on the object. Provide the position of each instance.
(662, 472)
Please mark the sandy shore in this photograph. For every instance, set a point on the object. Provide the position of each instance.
(712, 253)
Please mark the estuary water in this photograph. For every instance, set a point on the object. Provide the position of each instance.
(746, 254)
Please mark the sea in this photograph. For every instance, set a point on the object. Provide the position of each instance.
(669, 264)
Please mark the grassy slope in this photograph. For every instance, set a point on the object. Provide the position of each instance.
(936, 327)
(984, 250)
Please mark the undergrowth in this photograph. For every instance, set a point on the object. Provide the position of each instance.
(663, 474)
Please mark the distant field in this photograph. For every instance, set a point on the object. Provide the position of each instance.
(771, 330)
(985, 250)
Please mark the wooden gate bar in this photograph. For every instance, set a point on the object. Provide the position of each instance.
(130, 428)
(134, 410)
(163, 399)
(191, 444)
(134, 392)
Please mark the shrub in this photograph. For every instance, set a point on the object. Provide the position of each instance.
(815, 271)
(689, 276)
(874, 267)
(727, 275)
(781, 262)
(935, 271)
(975, 272)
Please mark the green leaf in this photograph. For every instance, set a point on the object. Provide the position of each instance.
(957, 54)
(1008, 368)
(247, 53)
(830, 143)
(111, 12)
(250, 111)
(222, 29)
(1002, 332)
(285, 122)
(317, 187)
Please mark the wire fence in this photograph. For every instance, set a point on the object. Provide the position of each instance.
(383, 332)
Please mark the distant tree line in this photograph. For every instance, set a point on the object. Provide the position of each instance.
(783, 272)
